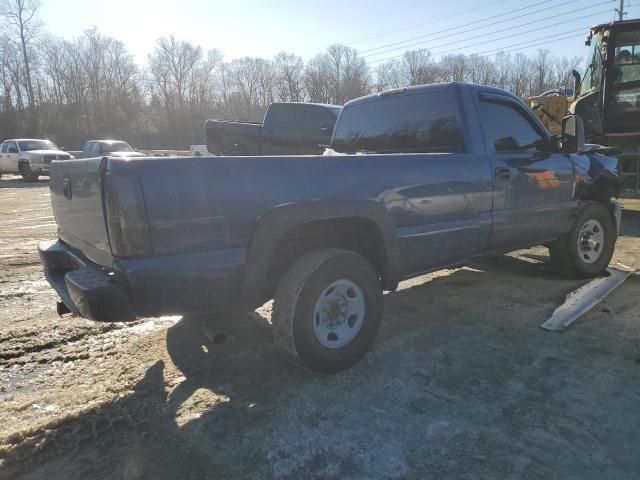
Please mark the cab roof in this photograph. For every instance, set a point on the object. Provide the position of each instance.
(635, 22)
(431, 88)
(27, 140)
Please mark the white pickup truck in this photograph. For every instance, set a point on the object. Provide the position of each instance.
(29, 157)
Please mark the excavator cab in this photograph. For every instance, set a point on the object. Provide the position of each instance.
(608, 93)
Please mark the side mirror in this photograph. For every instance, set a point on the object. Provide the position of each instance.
(327, 127)
(506, 144)
(572, 134)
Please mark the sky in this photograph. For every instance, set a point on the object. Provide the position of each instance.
(379, 29)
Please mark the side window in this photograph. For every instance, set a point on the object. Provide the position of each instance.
(96, 147)
(12, 147)
(4, 147)
(318, 117)
(285, 120)
(86, 147)
(507, 129)
(411, 123)
(627, 57)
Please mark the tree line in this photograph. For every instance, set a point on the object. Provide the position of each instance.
(71, 89)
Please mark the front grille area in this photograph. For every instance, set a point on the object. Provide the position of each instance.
(48, 158)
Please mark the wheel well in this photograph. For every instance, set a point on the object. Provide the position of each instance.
(357, 234)
(602, 191)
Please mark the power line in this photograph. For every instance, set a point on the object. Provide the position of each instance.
(384, 33)
(520, 46)
(472, 23)
(524, 33)
(496, 39)
(496, 52)
(537, 42)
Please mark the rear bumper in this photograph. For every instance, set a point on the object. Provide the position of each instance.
(155, 286)
(86, 289)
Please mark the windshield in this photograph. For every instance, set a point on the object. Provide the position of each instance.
(592, 72)
(117, 147)
(27, 145)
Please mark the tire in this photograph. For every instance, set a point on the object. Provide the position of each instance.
(586, 250)
(27, 174)
(327, 340)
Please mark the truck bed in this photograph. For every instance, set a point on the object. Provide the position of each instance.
(233, 138)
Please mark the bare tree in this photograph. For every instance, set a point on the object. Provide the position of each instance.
(454, 67)
(389, 75)
(480, 70)
(338, 75)
(289, 77)
(250, 81)
(543, 64)
(419, 67)
(22, 22)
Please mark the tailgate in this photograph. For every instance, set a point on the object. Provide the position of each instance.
(76, 197)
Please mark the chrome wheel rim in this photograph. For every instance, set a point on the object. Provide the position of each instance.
(338, 314)
(591, 241)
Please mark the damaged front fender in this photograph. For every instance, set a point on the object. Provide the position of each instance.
(598, 179)
(597, 175)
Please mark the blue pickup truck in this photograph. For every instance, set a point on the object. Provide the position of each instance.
(420, 179)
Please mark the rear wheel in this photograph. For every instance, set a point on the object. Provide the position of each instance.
(588, 247)
(327, 309)
(27, 174)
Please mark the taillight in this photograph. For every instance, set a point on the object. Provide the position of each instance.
(126, 214)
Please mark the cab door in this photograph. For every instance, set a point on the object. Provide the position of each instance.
(532, 184)
(282, 129)
(10, 158)
(3, 157)
(319, 122)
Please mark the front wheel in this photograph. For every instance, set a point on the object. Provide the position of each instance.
(586, 250)
(27, 174)
(327, 309)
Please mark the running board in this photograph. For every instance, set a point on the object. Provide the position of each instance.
(583, 299)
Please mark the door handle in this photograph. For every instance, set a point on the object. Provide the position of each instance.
(66, 188)
(502, 173)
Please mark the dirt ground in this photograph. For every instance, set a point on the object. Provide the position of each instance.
(461, 384)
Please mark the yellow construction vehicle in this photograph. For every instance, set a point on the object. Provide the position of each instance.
(606, 95)
(551, 106)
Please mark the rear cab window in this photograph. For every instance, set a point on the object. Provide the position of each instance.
(421, 123)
